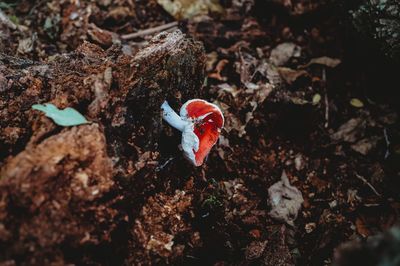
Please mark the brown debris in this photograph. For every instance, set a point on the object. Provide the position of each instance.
(47, 180)
(160, 225)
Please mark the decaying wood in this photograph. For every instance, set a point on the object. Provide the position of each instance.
(120, 91)
(58, 185)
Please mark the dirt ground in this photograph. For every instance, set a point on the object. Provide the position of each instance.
(301, 93)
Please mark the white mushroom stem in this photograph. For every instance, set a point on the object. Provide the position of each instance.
(172, 118)
(190, 142)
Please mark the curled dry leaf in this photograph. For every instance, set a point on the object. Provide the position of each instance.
(185, 9)
(25, 46)
(324, 60)
(225, 87)
(282, 53)
(285, 200)
(255, 250)
(101, 36)
(350, 131)
(364, 146)
(219, 67)
(290, 75)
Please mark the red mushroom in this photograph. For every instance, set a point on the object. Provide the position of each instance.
(200, 123)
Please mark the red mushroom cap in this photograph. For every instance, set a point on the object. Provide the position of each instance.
(208, 121)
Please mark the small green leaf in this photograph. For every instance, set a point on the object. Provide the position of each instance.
(316, 98)
(356, 103)
(67, 117)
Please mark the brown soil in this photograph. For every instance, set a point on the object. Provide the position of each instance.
(118, 190)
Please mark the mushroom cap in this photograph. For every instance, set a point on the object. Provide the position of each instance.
(207, 121)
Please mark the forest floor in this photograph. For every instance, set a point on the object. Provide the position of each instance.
(301, 94)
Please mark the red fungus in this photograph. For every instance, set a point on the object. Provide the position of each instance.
(200, 122)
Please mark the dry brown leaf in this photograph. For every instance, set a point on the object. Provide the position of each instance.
(350, 131)
(211, 60)
(291, 75)
(219, 67)
(362, 228)
(364, 146)
(25, 46)
(255, 250)
(282, 53)
(100, 36)
(186, 9)
(270, 72)
(324, 60)
(225, 87)
(318, 183)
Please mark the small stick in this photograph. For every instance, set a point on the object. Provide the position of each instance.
(326, 99)
(368, 184)
(387, 143)
(149, 31)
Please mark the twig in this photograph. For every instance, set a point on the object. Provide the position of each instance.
(325, 98)
(149, 31)
(368, 184)
(159, 168)
(387, 143)
(6, 21)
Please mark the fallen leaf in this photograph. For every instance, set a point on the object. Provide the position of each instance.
(270, 72)
(101, 36)
(219, 67)
(356, 103)
(350, 131)
(320, 184)
(25, 46)
(291, 75)
(298, 101)
(211, 60)
(255, 233)
(282, 53)
(361, 227)
(285, 200)
(185, 9)
(324, 60)
(364, 146)
(310, 227)
(316, 98)
(67, 117)
(225, 87)
(255, 250)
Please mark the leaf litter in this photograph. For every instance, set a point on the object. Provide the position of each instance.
(274, 85)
